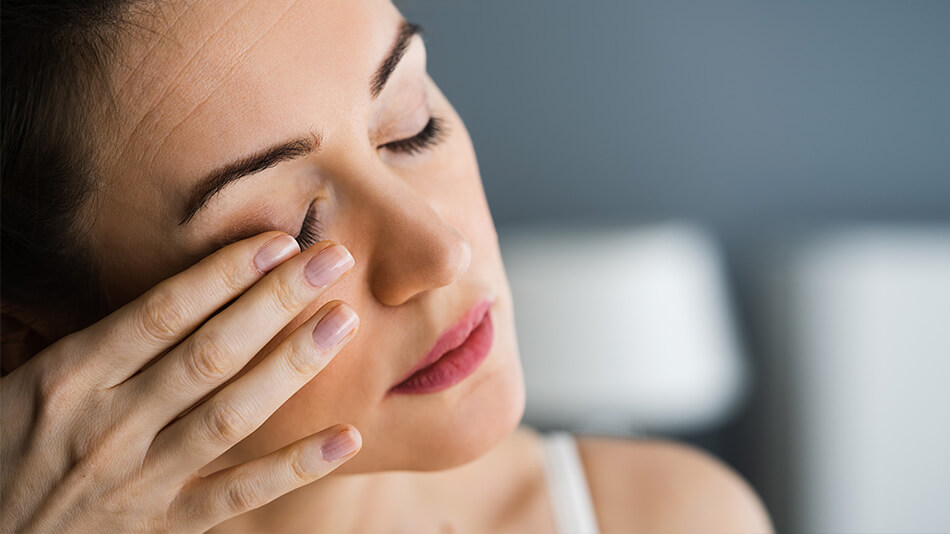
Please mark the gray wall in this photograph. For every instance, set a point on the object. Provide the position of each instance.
(760, 119)
(739, 114)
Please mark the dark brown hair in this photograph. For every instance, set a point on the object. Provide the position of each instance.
(53, 56)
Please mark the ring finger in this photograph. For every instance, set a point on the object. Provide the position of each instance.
(242, 406)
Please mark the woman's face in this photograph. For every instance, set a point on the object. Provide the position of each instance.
(198, 87)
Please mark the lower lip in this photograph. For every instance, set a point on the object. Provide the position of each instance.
(454, 366)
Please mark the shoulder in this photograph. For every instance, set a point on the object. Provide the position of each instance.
(653, 485)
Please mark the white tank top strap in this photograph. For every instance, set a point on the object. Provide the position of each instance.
(567, 485)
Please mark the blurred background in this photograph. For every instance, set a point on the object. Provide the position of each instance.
(752, 201)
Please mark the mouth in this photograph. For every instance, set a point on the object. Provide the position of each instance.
(456, 354)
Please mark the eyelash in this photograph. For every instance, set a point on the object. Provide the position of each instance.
(310, 229)
(429, 136)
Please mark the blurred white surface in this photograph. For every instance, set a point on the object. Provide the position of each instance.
(867, 314)
(623, 330)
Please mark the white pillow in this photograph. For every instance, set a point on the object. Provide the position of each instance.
(623, 330)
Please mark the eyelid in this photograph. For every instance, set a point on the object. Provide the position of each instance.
(404, 125)
(431, 135)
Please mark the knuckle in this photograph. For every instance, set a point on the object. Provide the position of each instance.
(71, 344)
(225, 423)
(161, 317)
(208, 361)
(230, 276)
(57, 394)
(285, 295)
(240, 495)
(299, 473)
(301, 363)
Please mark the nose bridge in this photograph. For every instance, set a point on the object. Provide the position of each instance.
(414, 248)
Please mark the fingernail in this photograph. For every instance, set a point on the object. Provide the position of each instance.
(275, 251)
(328, 265)
(317, 455)
(340, 446)
(334, 326)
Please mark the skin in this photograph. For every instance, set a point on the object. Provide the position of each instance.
(229, 78)
(418, 226)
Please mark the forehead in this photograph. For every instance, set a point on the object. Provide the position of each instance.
(207, 78)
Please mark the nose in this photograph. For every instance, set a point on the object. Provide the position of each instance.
(415, 249)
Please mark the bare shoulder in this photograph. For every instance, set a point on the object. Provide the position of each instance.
(663, 486)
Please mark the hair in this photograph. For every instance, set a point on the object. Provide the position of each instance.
(54, 58)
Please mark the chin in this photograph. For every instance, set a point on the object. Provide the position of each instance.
(453, 427)
(469, 430)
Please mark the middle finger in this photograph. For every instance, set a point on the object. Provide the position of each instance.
(227, 341)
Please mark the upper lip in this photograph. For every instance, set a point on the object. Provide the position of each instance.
(453, 336)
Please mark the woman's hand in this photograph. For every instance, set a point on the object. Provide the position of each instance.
(105, 430)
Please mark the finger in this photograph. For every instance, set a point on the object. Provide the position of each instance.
(242, 488)
(227, 341)
(242, 406)
(130, 337)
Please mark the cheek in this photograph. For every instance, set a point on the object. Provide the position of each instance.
(352, 386)
(343, 391)
(453, 178)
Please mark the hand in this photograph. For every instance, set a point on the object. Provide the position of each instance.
(105, 430)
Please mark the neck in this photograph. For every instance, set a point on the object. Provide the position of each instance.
(335, 503)
(399, 501)
(404, 501)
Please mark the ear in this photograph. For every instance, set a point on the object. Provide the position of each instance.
(22, 338)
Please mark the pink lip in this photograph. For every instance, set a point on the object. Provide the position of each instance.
(455, 355)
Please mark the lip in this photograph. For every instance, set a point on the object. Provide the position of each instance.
(455, 355)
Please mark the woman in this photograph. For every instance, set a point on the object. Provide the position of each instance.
(147, 390)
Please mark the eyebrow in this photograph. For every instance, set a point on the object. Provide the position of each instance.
(212, 184)
(397, 50)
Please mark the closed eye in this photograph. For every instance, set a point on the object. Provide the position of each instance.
(431, 134)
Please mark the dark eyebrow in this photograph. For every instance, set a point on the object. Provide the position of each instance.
(217, 180)
(406, 31)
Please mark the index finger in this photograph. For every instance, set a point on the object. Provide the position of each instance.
(160, 318)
